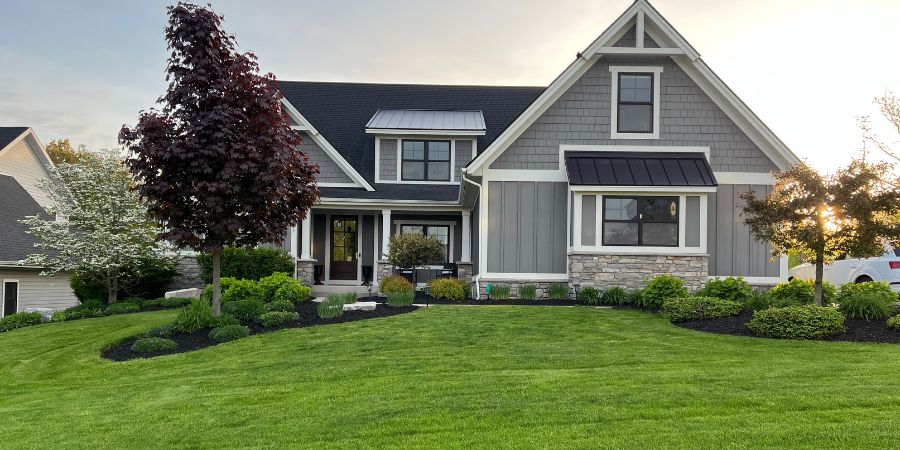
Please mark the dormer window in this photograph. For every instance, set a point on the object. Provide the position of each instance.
(425, 160)
(635, 102)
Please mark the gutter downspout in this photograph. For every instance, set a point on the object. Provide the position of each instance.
(478, 276)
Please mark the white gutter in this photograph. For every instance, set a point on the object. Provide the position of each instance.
(478, 276)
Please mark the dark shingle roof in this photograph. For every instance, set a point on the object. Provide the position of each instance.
(638, 169)
(340, 112)
(16, 203)
(8, 134)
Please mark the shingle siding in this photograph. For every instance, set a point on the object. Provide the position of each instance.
(329, 171)
(629, 39)
(21, 161)
(388, 160)
(688, 117)
(463, 156)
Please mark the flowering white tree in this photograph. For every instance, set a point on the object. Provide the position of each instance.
(98, 225)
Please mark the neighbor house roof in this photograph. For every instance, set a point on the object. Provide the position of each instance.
(9, 134)
(639, 169)
(16, 204)
(341, 111)
(430, 120)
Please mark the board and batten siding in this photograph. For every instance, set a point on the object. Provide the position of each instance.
(329, 171)
(21, 161)
(581, 116)
(36, 291)
(732, 249)
(526, 227)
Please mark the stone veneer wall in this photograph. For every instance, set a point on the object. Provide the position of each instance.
(188, 275)
(514, 286)
(306, 271)
(634, 271)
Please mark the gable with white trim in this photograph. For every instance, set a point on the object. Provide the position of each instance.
(25, 160)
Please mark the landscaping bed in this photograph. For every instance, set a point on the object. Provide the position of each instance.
(200, 339)
(422, 298)
(858, 330)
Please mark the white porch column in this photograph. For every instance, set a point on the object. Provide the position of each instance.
(292, 242)
(306, 236)
(466, 237)
(385, 231)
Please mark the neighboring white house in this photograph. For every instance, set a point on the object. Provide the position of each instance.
(23, 164)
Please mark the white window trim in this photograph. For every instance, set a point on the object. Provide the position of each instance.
(3, 295)
(446, 223)
(599, 248)
(614, 97)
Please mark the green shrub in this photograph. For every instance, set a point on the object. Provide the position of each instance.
(239, 290)
(280, 306)
(758, 300)
(394, 283)
(894, 323)
(153, 344)
(196, 316)
(661, 288)
(634, 298)
(730, 288)
(500, 292)
(872, 300)
(292, 293)
(58, 316)
(223, 320)
(134, 300)
(246, 310)
(800, 292)
(229, 333)
(20, 320)
(797, 322)
(558, 291)
(448, 288)
(144, 279)
(683, 309)
(331, 306)
(401, 298)
(165, 331)
(268, 285)
(275, 318)
(172, 302)
(528, 292)
(614, 296)
(247, 263)
(224, 283)
(121, 308)
(589, 295)
(82, 311)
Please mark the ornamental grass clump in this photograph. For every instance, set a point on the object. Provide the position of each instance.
(331, 307)
(528, 292)
(797, 322)
(685, 309)
(500, 292)
(558, 291)
(615, 296)
(399, 299)
(868, 301)
(589, 295)
(194, 317)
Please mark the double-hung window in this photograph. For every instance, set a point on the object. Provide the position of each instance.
(635, 108)
(439, 232)
(640, 221)
(426, 160)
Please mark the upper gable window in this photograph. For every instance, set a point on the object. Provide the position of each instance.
(635, 102)
(426, 160)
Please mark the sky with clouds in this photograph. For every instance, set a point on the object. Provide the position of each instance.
(808, 68)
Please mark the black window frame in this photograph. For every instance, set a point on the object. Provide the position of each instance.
(619, 102)
(425, 228)
(426, 148)
(640, 221)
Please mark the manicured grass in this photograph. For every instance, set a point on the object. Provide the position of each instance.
(450, 376)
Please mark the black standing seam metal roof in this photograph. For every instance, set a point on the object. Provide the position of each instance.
(639, 169)
(8, 134)
(15, 205)
(340, 112)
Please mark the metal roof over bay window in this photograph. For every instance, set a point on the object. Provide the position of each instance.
(639, 169)
(418, 121)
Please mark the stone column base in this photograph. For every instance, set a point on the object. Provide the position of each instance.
(383, 269)
(306, 271)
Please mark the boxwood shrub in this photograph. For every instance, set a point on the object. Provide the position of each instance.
(121, 308)
(683, 309)
(589, 295)
(165, 331)
(280, 306)
(872, 300)
(800, 292)
(394, 283)
(797, 322)
(661, 288)
(153, 344)
(229, 333)
(894, 323)
(20, 320)
(735, 289)
(171, 302)
(448, 288)
(275, 318)
(292, 293)
(615, 296)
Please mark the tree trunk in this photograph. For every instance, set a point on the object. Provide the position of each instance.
(217, 286)
(112, 288)
(820, 269)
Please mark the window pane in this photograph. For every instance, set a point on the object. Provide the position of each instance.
(414, 150)
(635, 119)
(660, 209)
(618, 233)
(439, 151)
(621, 209)
(406, 229)
(439, 171)
(413, 170)
(442, 234)
(660, 234)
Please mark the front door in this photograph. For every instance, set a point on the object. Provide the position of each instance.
(10, 297)
(344, 231)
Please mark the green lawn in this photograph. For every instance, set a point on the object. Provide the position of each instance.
(450, 376)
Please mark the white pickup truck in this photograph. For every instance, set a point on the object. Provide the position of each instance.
(856, 270)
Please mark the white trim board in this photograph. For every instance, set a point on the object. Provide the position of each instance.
(392, 132)
(307, 127)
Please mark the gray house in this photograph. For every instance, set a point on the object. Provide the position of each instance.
(631, 163)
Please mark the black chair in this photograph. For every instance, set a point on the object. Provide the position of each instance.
(450, 270)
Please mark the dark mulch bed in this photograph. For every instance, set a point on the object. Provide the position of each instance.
(200, 339)
(858, 330)
(425, 299)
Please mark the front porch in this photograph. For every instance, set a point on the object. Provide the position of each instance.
(339, 249)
